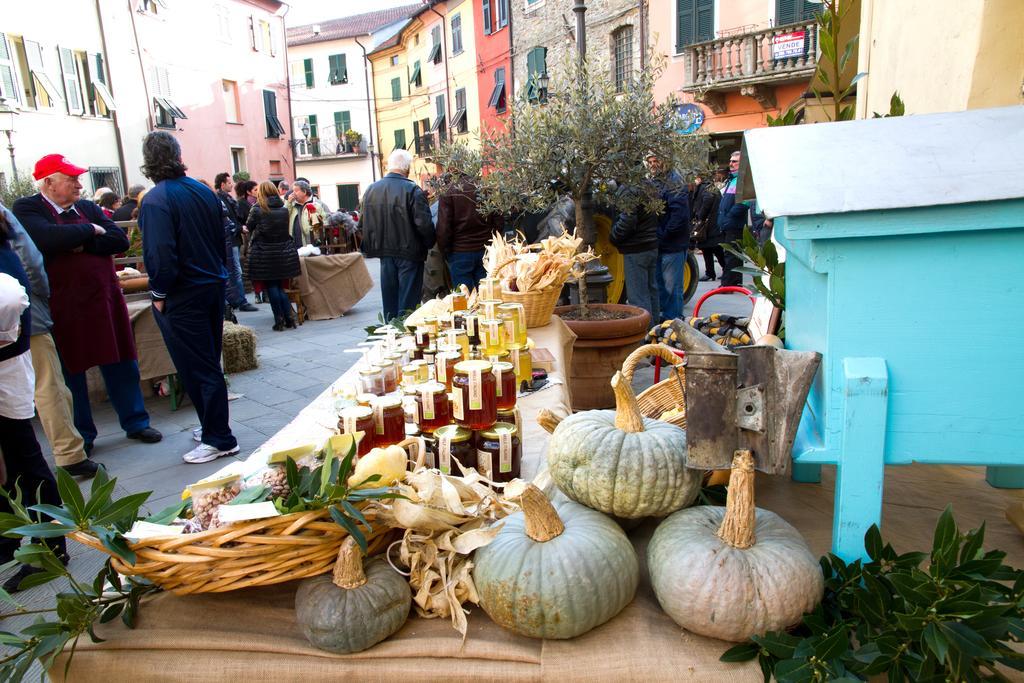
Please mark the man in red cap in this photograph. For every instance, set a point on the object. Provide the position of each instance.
(90, 319)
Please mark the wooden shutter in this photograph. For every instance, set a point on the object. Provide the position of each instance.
(342, 123)
(705, 20)
(342, 69)
(307, 68)
(456, 34)
(686, 19)
(8, 85)
(348, 197)
(69, 74)
(416, 136)
(400, 138)
(254, 33)
(486, 8)
(313, 132)
(100, 75)
(396, 89)
(792, 11)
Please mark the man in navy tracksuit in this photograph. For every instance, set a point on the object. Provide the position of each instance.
(183, 247)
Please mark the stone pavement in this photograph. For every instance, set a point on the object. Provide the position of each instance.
(294, 367)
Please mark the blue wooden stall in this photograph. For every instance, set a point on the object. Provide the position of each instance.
(905, 270)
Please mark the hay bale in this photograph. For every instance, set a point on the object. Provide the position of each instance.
(239, 352)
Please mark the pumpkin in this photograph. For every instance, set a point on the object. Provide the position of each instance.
(733, 573)
(620, 462)
(355, 607)
(555, 573)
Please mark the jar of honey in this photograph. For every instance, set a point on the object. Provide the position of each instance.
(504, 385)
(499, 452)
(456, 337)
(421, 335)
(503, 357)
(388, 421)
(371, 381)
(358, 419)
(444, 367)
(431, 325)
(409, 376)
(474, 394)
(472, 325)
(513, 316)
(429, 448)
(490, 288)
(433, 409)
(511, 416)
(422, 370)
(458, 301)
(389, 373)
(489, 309)
(492, 336)
(399, 359)
(429, 354)
(454, 443)
(365, 399)
(522, 362)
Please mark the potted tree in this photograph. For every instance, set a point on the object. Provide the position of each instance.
(353, 139)
(583, 142)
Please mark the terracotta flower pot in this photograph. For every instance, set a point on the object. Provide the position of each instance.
(599, 350)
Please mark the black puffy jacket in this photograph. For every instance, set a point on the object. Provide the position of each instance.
(635, 232)
(272, 254)
(396, 220)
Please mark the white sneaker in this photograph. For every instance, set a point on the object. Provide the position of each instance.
(205, 453)
(197, 434)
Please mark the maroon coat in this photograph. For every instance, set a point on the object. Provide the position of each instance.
(460, 227)
(90, 318)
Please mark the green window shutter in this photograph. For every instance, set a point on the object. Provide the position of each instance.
(791, 11)
(400, 138)
(307, 67)
(396, 89)
(313, 133)
(342, 69)
(100, 75)
(416, 136)
(532, 71)
(342, 123)
(338, 69)
(695, 21)
(705, 20)
(348, 197)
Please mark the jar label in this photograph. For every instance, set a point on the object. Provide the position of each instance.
(452, 339)
(476, 390)
(391, 339)
(444, 453)
(515, 361)
(378, 418)
(483, 463)
(414, 408)
(427, 399)
(504, 452)
(458, 409)
(441, 370)
(420, 336)
(510, 329)
(428, 459)
(497, 380)
(471, 325)
(349, 424)
(494, 333)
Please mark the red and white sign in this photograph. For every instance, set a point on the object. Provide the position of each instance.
(787, 45)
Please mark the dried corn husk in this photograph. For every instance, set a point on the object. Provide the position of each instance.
(525, 267)
(445, 519)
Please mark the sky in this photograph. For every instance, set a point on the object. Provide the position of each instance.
(309, 11)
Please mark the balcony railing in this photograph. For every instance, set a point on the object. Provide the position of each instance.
(750, 61)
(328, 145)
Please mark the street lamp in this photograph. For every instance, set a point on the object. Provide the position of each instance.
(7, 114)
(542, 81)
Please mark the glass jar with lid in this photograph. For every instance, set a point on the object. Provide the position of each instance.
(410, 376)
(371, 381)
(504, 385)
(458, 301)
(511, 416)
(503, 357)
(454, 443)
(499, 452)
(389, 373)
(365, 399)
(492, 337)
(444, 367)
(474, 394)
(358, 419)
(432, 407)
(388, 421)
(522, 362)
(457, 337)
(488, 309)
(472, 325)
(513, 316)
(429, 354)
(490, 288)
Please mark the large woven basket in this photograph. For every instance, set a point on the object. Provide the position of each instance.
(667, 394)
(537, 305)
(241, 555)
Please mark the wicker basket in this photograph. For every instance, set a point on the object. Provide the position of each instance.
(537, 305)
(668, 393)
(242, 555)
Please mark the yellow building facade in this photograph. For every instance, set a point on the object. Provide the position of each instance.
(425, 80)
(940, 55)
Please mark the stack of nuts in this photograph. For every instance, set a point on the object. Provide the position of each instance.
(277, 479)
(204, 503)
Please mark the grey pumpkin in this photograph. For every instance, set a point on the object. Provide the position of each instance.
(555, 574)
(620, 462)
(354, 608)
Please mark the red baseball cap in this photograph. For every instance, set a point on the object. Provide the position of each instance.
(56, 163)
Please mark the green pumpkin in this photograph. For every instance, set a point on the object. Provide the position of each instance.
(356, 607)
(555, 574)
(736, 572)
(622, 463)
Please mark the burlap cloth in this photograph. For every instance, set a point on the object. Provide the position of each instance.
(332, 284)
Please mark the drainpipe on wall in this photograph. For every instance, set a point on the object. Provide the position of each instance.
(447, 81)
(368, 74)
(113, 114)
(288, 85)
(142, 68)
(642, 5)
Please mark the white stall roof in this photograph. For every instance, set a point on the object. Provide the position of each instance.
(891, 163)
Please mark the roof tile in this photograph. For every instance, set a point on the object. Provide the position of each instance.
(348, 27)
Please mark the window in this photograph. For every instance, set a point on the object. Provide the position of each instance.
(792, 11)
(439, 119)
(338, 69)
(695, 22)
(8, 86)
(416, 39)
(93, 102)
(416, 80)
(459, 122)
(274, 127)
(275, 168)
(498, 93)
(106, 176)
(394, 60)
(396, 89)
(230, 89)
(622, 57)
(151, 6)
(298, 73)
(348, 197)
(342, 123)
(435, 50)
(314, 135)
(536, 66)
(69, 74)
(223, 23)
(307, 70)
(238, 160)
(502, 13)
(426, 139)
(99, 89)
(400, 138)
(486, 12)
(533, 4)
(269, 39)
(456, 34)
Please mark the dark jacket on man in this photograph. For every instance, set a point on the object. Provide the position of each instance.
(182, 236)
(732, 215)
(124, 212)
(32, 260)
(231, 204)
(272, 254)
(703, 212)
(460, 226)
(636, 231)
(396, 220)
(674, 222)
